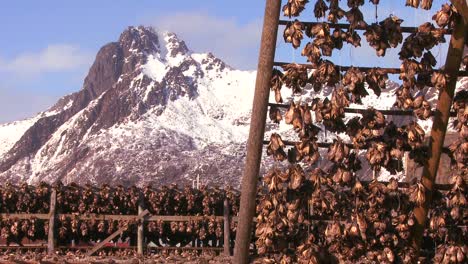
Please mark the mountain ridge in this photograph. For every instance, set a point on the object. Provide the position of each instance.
(131, 81)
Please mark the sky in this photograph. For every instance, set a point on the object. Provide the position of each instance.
(48, 46)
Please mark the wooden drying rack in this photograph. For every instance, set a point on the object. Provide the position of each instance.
(255, 141)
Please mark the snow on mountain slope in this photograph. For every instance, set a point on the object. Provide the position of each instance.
(10, 133)
(170, 113)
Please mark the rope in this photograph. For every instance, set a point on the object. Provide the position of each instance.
(376, 15)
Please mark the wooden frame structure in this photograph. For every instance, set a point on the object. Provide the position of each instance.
(260, 108)
(142, 217)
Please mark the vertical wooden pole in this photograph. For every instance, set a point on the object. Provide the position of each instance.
(140, 230)
(439, 127)
(227, 229)
(257, 130)
(51, 235)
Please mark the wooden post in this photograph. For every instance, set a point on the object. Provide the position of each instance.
(51, 243)
(257, 130)
(439, 127)
(227, 229)
(115, 234)
(462, 8)
(140, 230)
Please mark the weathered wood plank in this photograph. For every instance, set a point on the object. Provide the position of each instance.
(227, 229)
(51, 243)
(140, 230)
(115, 234)
(439, 127)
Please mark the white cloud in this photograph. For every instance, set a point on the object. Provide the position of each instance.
(54, 58)
(237, 44)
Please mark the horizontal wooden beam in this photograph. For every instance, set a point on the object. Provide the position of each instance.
(24, 216)
(347, 26)
(102, 217)
(361, 68)
(328, 144)
(348, 110)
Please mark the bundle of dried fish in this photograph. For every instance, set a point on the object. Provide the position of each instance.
(355, 3)
(373, 119)
(362, 130)
(308, 252)
(408, 70)
(415, 135)
(426, 4)
(294, 116)
(446, 16)
(404, 98)
(460, 106)
(295, 77)
(331, 112)
(294, 7)
(322, 40)
(335, 13)
(465, 62)
(427, 63)
(338, 36)
(312, 52)
(320, 9)
(355, 18)
(422, 108)
(325, 74)
(341, 174)
(338, 152)
(305, 150)
(354, 82)
(412, 3)
(353, 38)
(326, 45)
(320, 30)
(293, 33)
(459, 154)
(276, 83)
(377, 78)
(418, 194)
(339, 101)
(275, 115)
(378, 155)
(426, 37)
(376, 39)
(392, 30)
(451, 254)
(439, 80)
(276, 148)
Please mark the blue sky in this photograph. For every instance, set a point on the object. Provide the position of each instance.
(47, 46)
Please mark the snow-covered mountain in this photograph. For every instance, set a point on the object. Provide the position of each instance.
(150, 110)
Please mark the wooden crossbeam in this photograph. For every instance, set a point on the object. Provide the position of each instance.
(361, 68)
(347, 26)
(396, 112)
(105, 217)
(445, 150)
(116, 233)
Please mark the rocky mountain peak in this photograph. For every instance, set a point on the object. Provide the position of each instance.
(148, 110)
(174, 45)
(139, 40)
